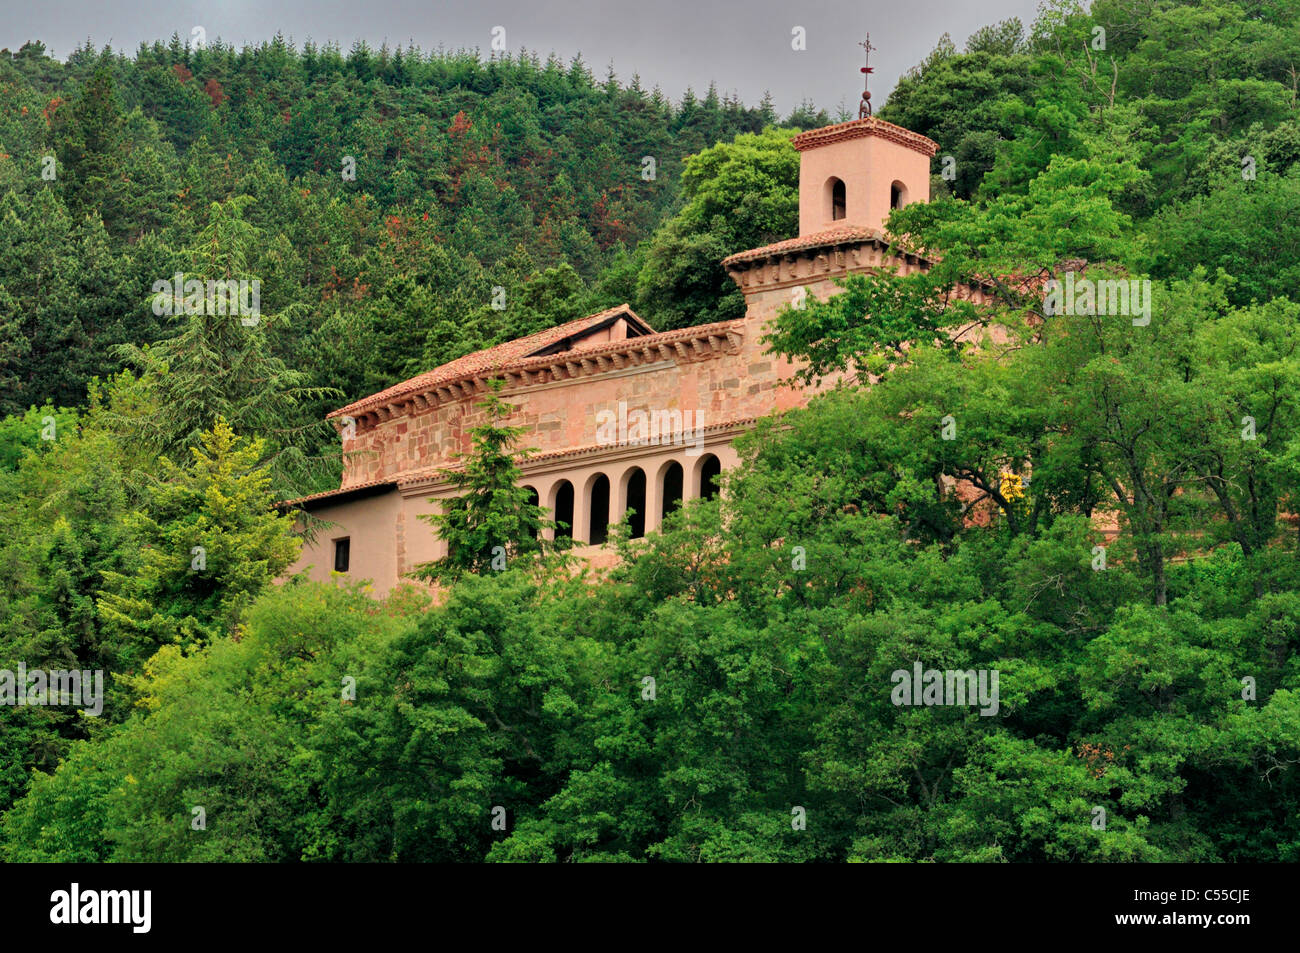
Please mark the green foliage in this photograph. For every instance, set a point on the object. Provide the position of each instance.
(63, 506)
(830, 336)
(222, 729)
(461, 176)
(738, 195)
(219, 365)
(725, 693)
(33, 432)
(92, 148)
(211, 542)
(1248, 229)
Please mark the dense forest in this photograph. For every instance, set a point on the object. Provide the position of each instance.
(724, 693)
(379, 197)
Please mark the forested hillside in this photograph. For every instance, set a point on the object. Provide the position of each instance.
(379, 196)
(727, 692)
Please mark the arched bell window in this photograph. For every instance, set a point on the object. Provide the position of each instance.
(839, 199)
(897, 195)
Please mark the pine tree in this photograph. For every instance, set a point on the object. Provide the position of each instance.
(40, 269)
(219, 364)
(92, 149)
(494, 521)
(13, 348)
(211, 542)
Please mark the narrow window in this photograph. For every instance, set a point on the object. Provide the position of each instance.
(599, 524)
(838, 200)
(672, 489)
(636, 501)
(563, 510)
(897, 195)
(342, 552)
(710, 470)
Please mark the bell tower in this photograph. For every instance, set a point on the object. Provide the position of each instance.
(851, 176)
(855, 173)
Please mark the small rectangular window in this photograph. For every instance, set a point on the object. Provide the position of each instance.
(342, 548)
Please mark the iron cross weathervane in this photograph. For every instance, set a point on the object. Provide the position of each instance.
(864, 109)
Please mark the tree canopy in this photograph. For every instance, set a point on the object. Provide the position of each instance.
(1089, 510)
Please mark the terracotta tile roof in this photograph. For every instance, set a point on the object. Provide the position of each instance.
(840, 235)
(659, 337)
(870, 126)
(489, 359)
(313, 497)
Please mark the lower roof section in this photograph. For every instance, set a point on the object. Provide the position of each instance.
(331, 497)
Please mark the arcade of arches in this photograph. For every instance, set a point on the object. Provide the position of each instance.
(586, 512)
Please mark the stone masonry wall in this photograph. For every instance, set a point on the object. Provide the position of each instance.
(564, 415)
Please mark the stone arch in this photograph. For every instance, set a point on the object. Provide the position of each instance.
(634, 492)
(897, 194)
(562, 499)
(836, 199)
(597, 495)
(671, 480)
(707, 472)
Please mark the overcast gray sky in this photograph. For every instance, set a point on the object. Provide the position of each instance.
(743, 45)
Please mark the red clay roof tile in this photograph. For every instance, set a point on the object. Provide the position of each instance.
(840, 235)
(868, 126)
(489, 359)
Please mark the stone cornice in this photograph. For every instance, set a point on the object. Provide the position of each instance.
(417, 484)
(775, 269)
(770, 268)
(683, 346)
